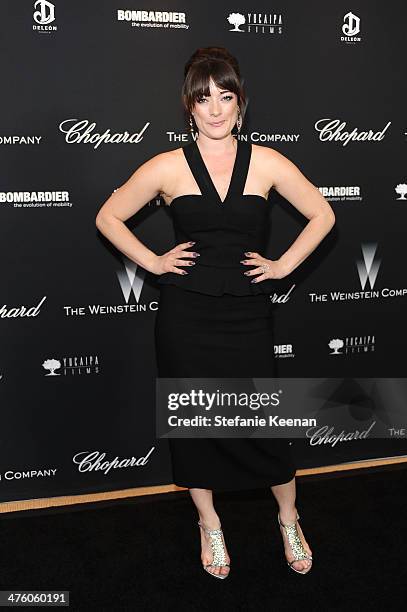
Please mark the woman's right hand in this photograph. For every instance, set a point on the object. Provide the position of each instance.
(169, 261)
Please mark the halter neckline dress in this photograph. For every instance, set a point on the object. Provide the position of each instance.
(213, 322)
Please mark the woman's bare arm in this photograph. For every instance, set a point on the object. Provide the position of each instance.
(289, 182)
(145, 184)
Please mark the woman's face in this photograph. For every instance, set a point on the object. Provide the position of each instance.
(215, 115)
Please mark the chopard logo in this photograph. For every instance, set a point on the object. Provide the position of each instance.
(333, 129)
(82, 132)
(21, 311)
(326, 435)
(95, 461)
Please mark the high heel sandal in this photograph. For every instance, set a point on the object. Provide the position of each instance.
(296, 545)
(218, 551)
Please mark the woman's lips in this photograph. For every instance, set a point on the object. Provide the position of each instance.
(219, 123)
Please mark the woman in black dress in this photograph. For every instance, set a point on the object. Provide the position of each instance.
(215, 319)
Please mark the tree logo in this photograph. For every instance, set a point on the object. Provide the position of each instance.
(401, 189)
(52, 365)
(236, 19)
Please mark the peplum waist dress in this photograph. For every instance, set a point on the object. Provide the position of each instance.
(213, 322)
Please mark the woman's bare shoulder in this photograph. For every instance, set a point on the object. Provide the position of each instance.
(272, 161)
(166, 159)
(264, 152)
(168, 165)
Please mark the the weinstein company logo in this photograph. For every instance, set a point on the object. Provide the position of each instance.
(83, 132)
(20, 140)
(368, 267)
(333, 129)
(43, 16)
(257, 23)
(351, 27)
(131, 279)
(27, 474)
(72, 365)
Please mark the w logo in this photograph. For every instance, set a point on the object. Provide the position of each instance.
(131, 279)
(368, 267)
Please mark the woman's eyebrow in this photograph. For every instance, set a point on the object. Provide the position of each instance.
(220, 93)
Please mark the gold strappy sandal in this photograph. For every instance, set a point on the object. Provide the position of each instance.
(218, 551)
(296, 545)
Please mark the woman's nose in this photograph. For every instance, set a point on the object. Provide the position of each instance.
(214, 109)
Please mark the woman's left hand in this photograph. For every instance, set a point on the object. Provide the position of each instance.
(265, 268)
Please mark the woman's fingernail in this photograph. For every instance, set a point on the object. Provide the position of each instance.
(243, 261)
(247, 254)
(254, 280)
(184, 272)
(191, 242)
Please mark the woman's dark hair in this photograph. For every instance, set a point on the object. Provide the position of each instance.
(216, 63)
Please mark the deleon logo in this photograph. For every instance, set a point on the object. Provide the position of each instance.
(351, 24)
(46, 12)
(368, 267)
(131, 279)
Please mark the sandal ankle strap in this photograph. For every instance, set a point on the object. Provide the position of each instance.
(291, 524)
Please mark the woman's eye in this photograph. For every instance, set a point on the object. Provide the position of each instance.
(228, 97)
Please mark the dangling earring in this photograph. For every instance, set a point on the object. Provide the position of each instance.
(191, 123)
(239, 121)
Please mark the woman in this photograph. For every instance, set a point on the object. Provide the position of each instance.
(215, 319)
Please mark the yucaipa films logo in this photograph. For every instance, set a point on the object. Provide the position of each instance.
(257, 23)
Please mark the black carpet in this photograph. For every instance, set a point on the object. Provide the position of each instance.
(144, 553)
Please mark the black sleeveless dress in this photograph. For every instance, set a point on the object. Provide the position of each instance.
(213, 322)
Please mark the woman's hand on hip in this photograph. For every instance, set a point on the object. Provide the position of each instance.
(169, 261)
(264, 268)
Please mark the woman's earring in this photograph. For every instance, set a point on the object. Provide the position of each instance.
(191, 123)
(239, 121)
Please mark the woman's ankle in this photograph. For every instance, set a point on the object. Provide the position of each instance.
(210, 521)
(288, 514)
